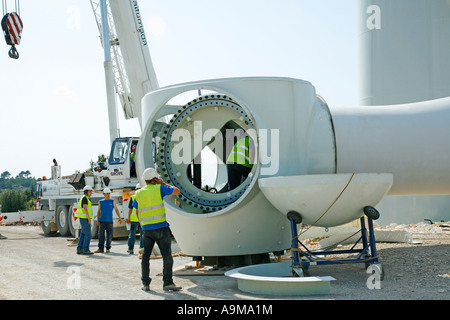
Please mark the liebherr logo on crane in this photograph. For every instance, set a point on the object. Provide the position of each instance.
(140, 24)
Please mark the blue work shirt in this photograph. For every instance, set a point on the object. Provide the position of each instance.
(165, 191)
(106, 210)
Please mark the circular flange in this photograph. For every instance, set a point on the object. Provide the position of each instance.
(175, 173)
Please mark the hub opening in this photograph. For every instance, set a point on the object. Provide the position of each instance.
(194, 149)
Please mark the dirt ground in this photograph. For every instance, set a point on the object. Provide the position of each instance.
(35, 267)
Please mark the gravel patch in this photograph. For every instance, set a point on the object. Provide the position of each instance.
(36, 267)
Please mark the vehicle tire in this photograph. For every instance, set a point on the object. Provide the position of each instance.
(48, 227)
(62, 220)
(70, 218)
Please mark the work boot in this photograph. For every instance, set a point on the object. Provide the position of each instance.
(87, 253)
(79, 251)
(145, 288)
(98, 251)
(171, 287)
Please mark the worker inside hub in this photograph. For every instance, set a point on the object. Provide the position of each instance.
(240, 161)
(222, 167)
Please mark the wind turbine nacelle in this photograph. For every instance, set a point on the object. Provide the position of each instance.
(326, 165)
(294, 137)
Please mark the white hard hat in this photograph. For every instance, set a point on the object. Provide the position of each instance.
(87, 188)
(149, 174)
(106, 190)
(138, 186)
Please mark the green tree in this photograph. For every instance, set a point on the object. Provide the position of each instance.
(15, 200)
(102, 158)
(93, 164)
(5, 175)
(24, 174)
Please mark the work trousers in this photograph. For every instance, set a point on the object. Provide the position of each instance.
(163, 238)
(105, 227)
(235, 173)
(84, 239)
(134, 226)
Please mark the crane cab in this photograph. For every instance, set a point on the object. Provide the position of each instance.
(121, 168)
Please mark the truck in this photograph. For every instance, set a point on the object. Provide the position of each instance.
(129, 74)
(58, 197)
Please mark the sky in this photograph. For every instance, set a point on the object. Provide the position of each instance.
(53, 98)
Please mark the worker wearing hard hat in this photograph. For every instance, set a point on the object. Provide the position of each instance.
(134, 225)
(133, 161)
(240, 161)
(105, 221)
(84, 214)
(152, 217)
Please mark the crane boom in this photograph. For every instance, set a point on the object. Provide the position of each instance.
(134, 75)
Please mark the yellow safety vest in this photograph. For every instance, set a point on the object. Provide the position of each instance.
(240, 153)
(133, 216)
(150, 205)
(80, 212)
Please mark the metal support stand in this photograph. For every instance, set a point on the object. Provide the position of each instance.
(302, 259)
(295, 218)
(367, 254)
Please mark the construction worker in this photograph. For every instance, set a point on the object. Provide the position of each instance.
(133, 161)
(134, 224)
(105, 221)
(152, 218)
(240, 161)
(84, 214)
